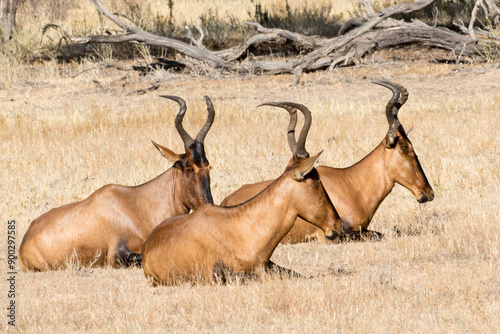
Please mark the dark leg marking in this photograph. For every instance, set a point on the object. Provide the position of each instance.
(272, 268)
(126, 258)
(373, 235)
(362, 236)
(223, 275)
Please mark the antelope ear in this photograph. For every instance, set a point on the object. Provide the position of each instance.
(390, 138)
(171, 156)
(305, 167)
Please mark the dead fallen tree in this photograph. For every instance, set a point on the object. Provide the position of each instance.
(376, 31)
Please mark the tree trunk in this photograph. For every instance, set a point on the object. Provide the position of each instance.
(7, 19)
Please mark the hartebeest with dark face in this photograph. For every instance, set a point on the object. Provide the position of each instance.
(111, 224)
(241, 239)
(357, 191)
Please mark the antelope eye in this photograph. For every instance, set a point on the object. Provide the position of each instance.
(404, 144)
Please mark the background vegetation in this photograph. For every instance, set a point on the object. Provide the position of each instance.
(45, 28)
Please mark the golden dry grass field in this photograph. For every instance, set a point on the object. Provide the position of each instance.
(62, 138)
(69, 14)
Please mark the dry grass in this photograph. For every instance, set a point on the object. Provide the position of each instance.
(63, 138)
(60, 11)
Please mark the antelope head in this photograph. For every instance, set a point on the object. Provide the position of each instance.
(193, 185)
(401, 161)
(314, 203)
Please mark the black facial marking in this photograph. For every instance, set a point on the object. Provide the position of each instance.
(197, 150)
(205, 190)
(198, 155)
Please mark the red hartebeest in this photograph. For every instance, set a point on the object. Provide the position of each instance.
(357, 191)
(240, 239)
(112, 223)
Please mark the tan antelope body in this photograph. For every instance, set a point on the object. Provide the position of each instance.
(213, 240)
(357, 191)
(111, 224)
(242, 238)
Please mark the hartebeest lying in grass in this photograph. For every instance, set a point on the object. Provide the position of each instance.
(214, 240)
(357, 191)
(114, 221)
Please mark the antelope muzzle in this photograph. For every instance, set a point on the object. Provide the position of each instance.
(426, 197)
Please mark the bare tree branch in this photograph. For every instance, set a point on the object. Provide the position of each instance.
(302, 64)
(473, 19)
(368, 8)
(361, 38)
(136, 35)
(199, 42)
(492, 11)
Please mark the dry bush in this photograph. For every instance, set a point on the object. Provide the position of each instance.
(45, 27)
(437, 270)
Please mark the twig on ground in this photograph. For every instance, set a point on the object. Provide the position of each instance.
(144, 91)
(104, 64)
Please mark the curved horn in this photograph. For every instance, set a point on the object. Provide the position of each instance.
(186, 138)
(301, 143)
(399, 97)
(404, 96)
(292, 142)
(208, 124)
